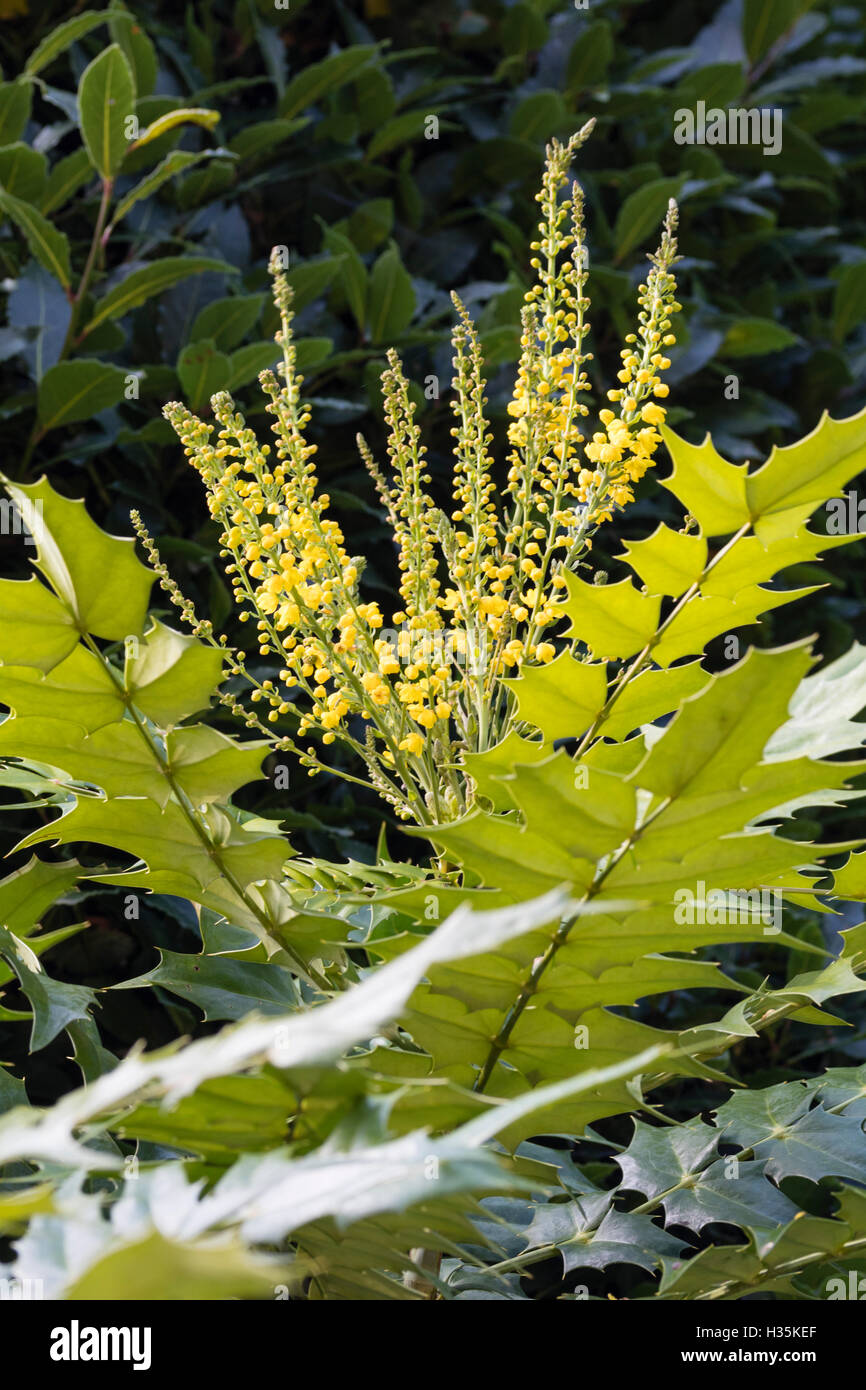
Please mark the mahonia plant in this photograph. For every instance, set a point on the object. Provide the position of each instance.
(481, 590)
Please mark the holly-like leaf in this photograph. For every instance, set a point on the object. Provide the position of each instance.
(169, 840)
(781, 495)
(614, 620)
(312, 1038)
(224, 1117)
(562, 698)
(814, 1144)
(650, 695)
(78, 689)
(678, 1168)
(591, 1234)
(822, 709)
(30, 890)
(54, 1004)
(799, 477)
(735, 725)
(223, 988)
(171, 675)
(205, 764)
(668, 562)
(74, 555)
(35, 629)
(489, 769)
(773, 1261)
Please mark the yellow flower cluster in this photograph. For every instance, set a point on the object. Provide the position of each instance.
(291, 572)
(479, 591)
(623, 451)
(563, 487)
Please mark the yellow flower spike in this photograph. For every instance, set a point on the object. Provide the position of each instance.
(481, 583)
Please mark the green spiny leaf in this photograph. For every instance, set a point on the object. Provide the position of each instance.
(171, 675)
(74, 555)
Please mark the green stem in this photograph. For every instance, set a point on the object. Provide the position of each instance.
(644, 655)
(89, 266)
(530, 985)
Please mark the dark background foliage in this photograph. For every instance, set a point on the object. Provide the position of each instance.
(394, 149)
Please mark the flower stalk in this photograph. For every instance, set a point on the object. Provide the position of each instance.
(481, 588)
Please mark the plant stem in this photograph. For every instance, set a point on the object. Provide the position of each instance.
(530, 985)
(96, 248)
(643, 656)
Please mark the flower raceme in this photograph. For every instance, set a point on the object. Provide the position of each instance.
(481, 589)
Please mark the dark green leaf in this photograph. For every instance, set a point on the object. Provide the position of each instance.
(63, 36)
(150, 280)
(15, 102)
(77, 391)
(390, 297)
(50, 247)
(642, 213)
(319, 79)
(106, 101)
